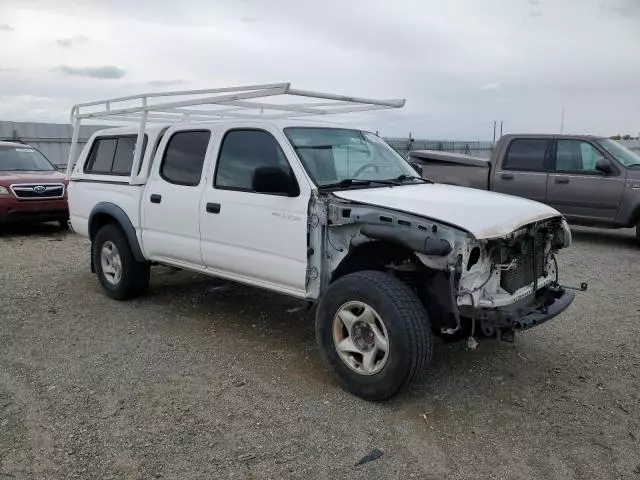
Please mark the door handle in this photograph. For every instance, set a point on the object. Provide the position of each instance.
(506, 176)
(155, 198)
(213, 208)
(561, 180)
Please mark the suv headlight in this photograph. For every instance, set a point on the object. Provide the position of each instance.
(3, 190)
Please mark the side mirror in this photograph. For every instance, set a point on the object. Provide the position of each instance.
(274, 180)
(603, 165)
(417, 167)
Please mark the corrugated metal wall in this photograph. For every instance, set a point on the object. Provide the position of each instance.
(52, 139)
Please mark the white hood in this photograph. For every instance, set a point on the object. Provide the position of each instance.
(484, 214)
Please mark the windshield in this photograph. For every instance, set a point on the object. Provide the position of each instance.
(23, 159)
(620, 152)
(333, 155)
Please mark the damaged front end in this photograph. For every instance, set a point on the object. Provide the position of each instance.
(497, 285)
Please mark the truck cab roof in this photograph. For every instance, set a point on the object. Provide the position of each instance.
(547, 135)
(278, 123)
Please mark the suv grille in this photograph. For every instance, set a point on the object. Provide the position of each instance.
(38, 191)
(522, 272)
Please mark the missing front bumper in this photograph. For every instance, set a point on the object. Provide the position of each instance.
(548, 303)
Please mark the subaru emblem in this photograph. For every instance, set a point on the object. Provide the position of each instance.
(39, 189)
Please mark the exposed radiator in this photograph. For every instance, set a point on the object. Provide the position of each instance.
(522, 274)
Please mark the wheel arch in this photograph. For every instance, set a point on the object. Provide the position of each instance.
(105, 213)
(635, 217)
(374, 255)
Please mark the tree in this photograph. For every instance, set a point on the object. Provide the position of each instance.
(615, 137)
(626, 137)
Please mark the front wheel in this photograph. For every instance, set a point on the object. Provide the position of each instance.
(374, 333)
(638, 231)
(122, 277)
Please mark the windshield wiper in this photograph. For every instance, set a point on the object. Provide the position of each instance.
(404, 178)
(351, 182)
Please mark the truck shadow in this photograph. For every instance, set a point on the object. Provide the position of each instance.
(263, 323)
(31, 229)
(623, 237)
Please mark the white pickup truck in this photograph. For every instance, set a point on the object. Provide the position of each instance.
(327, 214)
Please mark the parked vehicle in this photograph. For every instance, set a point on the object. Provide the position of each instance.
(590, 180)
(327, 214)
(31, 189)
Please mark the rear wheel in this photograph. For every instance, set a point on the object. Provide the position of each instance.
(122, 277)
(374, 333)
(638, 231)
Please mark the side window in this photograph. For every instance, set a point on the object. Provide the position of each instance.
(113, 155)
(123, 158)
(184, 157)
(527, 154)
(244, 151)
(576, 156)
(101, 156)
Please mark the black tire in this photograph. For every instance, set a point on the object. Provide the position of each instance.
(64, 225)
(134, 280)
(638, 231)
(406, 322)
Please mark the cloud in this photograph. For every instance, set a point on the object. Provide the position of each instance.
(491, 87)
(166, 83)
(443, 58)
(6, 28)
(106, 72)
(72, 42)
(626, 8)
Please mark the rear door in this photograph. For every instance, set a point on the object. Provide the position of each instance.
(170, 204)
(523, 171)
(577, 189)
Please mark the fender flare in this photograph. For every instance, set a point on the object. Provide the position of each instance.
(122, 219)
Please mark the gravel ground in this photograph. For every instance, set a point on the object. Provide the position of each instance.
(193, 383)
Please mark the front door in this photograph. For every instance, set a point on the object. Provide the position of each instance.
(524, 169)
(577, 189)
(258, 238)
(170, 216)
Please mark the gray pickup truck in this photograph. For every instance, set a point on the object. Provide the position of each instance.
(591, 180)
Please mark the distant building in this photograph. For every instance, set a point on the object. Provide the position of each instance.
(52, 139)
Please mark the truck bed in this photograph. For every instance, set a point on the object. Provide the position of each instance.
(453, 168)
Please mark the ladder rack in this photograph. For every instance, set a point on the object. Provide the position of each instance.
(270, 101)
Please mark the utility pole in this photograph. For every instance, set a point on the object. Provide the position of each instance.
(494, 131)
(562, 121)
(501, 124)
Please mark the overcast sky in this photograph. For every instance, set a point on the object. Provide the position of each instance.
(460, 64)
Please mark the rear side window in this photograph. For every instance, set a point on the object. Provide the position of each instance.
(113, 155)
(184, 157)
(527, 154)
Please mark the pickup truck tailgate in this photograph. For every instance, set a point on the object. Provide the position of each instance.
(453, 168)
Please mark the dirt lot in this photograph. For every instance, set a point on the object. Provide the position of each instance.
(190, 383)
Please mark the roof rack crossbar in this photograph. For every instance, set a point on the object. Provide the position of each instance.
(185, 92)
